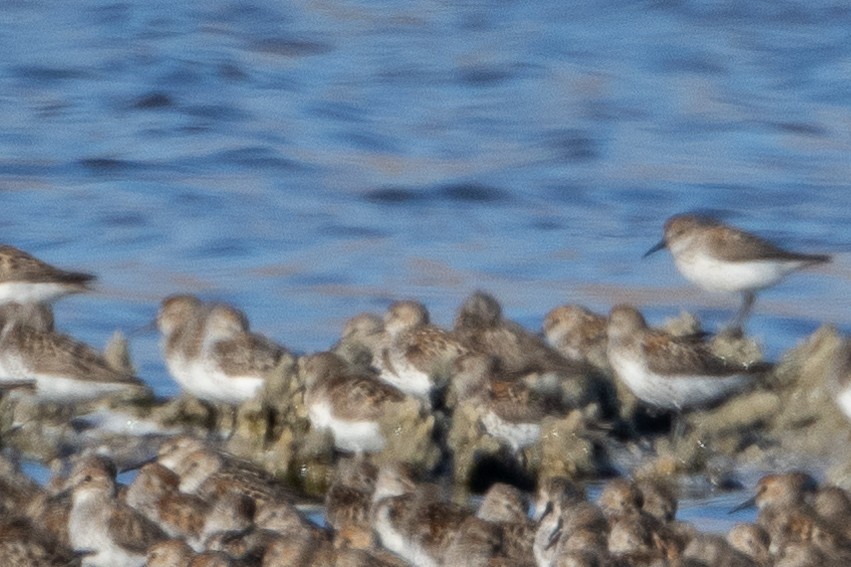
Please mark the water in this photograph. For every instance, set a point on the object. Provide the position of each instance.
(312, 160)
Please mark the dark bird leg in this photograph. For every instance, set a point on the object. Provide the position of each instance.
(737, 326)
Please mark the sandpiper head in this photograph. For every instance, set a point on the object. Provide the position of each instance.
(362, 326)
(174, 450)
(394, 479)
(321, 366)
(92, 474)
(503, 503)
(679, 227)
(781, 490)
(566, 320)
(280, 516)
(175, 311)
(479, 310)
(225, 321)
(557, 490)
(152, 483)
(197, 468)
(624, 321)
(405, 315)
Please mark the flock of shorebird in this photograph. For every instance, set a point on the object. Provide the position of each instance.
(187, 497)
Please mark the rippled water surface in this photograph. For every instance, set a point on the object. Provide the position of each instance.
(312, 160)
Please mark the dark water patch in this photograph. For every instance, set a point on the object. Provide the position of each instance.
(216, 111)
(572, 145)
(472, 193)
(286, 47)
(221, 248)
(257, 157)
(762, 13)
(369, 141)
(338, 111)
(546, 224)
(109, 165)
(152, 101)
(396, 196)
(485, 76)
(231, 72)
(802, 128)
(44, 74)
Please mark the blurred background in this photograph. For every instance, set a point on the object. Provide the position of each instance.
(308, 161)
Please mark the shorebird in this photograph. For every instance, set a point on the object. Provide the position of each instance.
(210, 351)
(510, 410)
(26, 279)
(234, 361)
(480, 326)
(114, 533)
(346, 401)
(668, 372)
(721, 258)
(62, 368)
(415, 354)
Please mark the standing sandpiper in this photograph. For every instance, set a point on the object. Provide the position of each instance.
(26, 279)
(721, 258)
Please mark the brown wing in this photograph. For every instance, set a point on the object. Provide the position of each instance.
(17, 265)
(133, 531)
(515, 402)
(668, 355)
(435, 524)
(248, 354)
(429, 346)
(51, 353)
(736, 245)
(517, 350)
(362, 397)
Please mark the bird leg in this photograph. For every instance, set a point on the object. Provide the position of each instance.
(748, 300)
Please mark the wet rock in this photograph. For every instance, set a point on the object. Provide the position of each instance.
(566, 448)
(408, 433)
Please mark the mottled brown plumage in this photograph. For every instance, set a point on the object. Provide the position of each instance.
(415, 355)
(354, 396)
(63, 369)
(480, 327)
(731, 244)
(577, 333)
(115, 533)
(671, 372)
(23, 544)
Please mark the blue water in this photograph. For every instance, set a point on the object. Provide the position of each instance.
(312, 160)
